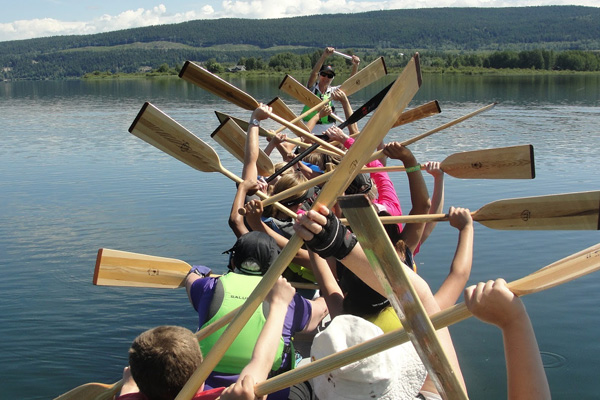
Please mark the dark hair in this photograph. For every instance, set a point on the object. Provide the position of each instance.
(162, 360)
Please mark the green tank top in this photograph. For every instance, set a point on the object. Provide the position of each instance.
(237, 288)
(325, 119)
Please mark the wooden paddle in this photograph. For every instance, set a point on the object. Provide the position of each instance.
(569, 211)
(391, 274)
(395, 102)
(164, 133)
(123, 268)
(201, 77)
(103, 391)
(264, 133)
(233, 138)
(379, 154)
(515, 162)
(557, 273)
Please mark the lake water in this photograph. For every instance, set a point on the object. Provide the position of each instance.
(73, 180)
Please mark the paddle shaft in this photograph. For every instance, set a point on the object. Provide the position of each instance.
(346, 56)
(559, 272)
(379, 153)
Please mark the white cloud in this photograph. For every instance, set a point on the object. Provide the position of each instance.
(158, 15)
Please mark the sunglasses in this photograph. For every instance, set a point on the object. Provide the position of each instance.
(330, 76)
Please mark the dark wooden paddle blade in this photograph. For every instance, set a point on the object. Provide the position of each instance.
(161, 131)
(123, 268)
(515, 162)
(569, 211)
(210, 82)
(231, 136)
(417, 113)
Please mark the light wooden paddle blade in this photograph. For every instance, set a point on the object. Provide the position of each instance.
(231, 136)
(92, 391)
(417, 113)
(515, 162)
(123, 268)
(363, 78)
(282, 109)
(298, 91)
(401, 93)
(391, 274)
(264, 133)
(559, 272)
(569, 211)
(210, 82)
(161, 131)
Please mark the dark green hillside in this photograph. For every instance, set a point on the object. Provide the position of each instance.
(226, 40)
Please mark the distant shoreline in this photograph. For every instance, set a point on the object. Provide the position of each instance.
(393, 70)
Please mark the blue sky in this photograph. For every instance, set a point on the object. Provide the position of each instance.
(37, 18)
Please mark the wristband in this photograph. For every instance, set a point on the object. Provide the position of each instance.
(414, 169)
(334, 240)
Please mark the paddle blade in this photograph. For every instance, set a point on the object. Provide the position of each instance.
(92, 391)
(122, 268)
(417, 113)
(233, 139)
(559, 272)
(515, 162)
(212, 83)
(570, 211)
(363, 78)
(298, 91)
(164, 133)
(282, 109)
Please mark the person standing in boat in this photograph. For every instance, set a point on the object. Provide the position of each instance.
(319, 82)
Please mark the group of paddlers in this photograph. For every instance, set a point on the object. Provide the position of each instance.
(349, 306)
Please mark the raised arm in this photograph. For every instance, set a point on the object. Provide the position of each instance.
(249, 171)
(493, 303)
(314, 74)
(460, 269)
(419, 196)
(355, 62)
(264, 352)
(339, 95)
(437, 198)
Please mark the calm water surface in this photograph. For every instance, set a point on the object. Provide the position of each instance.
(72, 180)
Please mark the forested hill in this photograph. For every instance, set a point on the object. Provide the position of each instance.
(439, 29)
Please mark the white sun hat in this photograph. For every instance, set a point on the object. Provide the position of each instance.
(394, 374)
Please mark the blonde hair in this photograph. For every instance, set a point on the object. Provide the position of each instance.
(287, 181)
